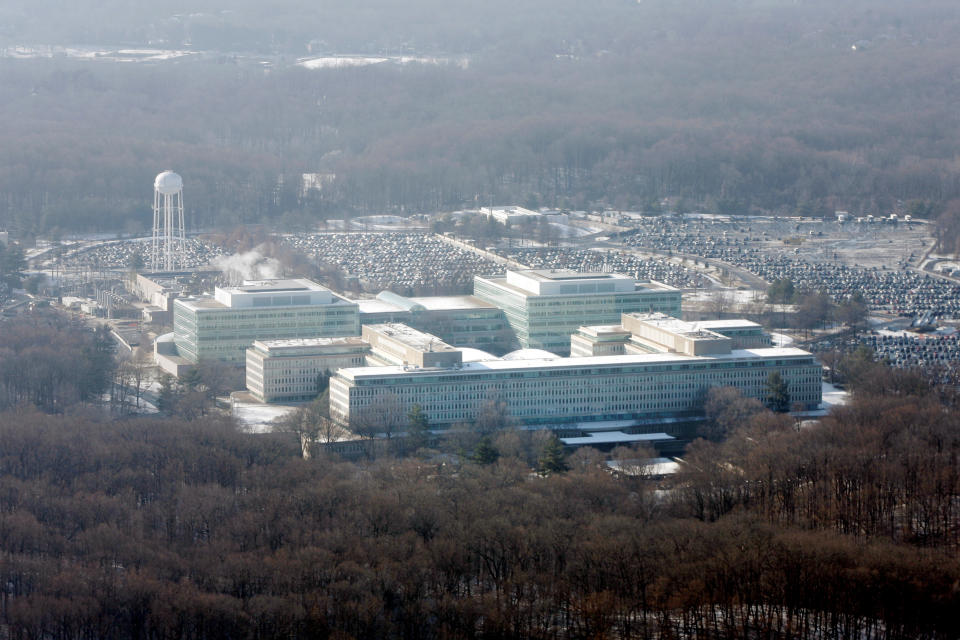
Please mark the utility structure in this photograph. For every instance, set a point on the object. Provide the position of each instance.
(168, 251)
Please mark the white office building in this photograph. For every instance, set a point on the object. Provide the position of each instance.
(544, 307)
(225, 326)
(670, 379)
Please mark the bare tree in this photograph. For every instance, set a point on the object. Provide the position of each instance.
(720, 302)
(311, 424)
(384, 417)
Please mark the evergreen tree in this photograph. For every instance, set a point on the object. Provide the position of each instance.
(323, 381)
(552, 459)
(485, 453)
(778, 393)
(99, 364)
(419, 425)
(12, 264)
(167, 399)
(191, 379)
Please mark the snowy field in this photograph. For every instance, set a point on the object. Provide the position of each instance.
(257, 418)
(344, 62)
(834, 397)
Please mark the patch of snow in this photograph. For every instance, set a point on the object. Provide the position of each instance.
(257, 418)
(781, 339)
(833, 396)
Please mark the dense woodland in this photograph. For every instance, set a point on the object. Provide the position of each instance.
(730, 106)
(164, 529)
(180, 526)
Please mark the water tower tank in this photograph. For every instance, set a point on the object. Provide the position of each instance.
(168, 183)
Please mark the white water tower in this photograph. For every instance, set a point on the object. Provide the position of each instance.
(168, 252)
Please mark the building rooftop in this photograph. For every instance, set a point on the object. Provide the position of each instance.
(604, 330)
(373, 305)
(300, 343)
(427, 303)
(588, 362)
(264, 294)
(450, 303)
(201, 303)
(565, 282)
(615, 437)
(276, 286)
(726, 324)
(691, 330)
(653, 285)
(568, 274)
(410, 337)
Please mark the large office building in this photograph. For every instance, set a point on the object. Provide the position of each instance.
(222, 327)
(544, 307)
(667, 377)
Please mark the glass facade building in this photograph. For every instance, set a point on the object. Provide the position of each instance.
(223, 327)
(545, 307)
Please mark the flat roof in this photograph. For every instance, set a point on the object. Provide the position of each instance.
(411, 337)
(569, 274)
(726, 324)
(676, 326)
(653, 285)
(647, 286)
(375, 305)
(614, 437)
(210, 303)
(449, 303)
(290, 343)
(604, 330)
(276, 286)
(201, 303)
(430, 303)
(583, 362)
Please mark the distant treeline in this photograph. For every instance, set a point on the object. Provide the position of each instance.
(735, 107)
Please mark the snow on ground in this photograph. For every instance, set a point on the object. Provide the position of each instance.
(568, 231)
(781, 339)
(342, 62)
(736, 296)
(257, 417)
(833, 396)
(89, 53)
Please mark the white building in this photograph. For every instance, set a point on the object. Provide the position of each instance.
(289, 370)
(224, 326)
(670, 380)
(544, 307)
(509, 214)
(659, 333)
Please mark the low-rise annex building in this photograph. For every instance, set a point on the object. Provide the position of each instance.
(659, 333)
(290, 370)
(545, 306)
(670, 380)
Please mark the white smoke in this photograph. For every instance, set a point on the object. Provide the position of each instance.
(249, 265)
